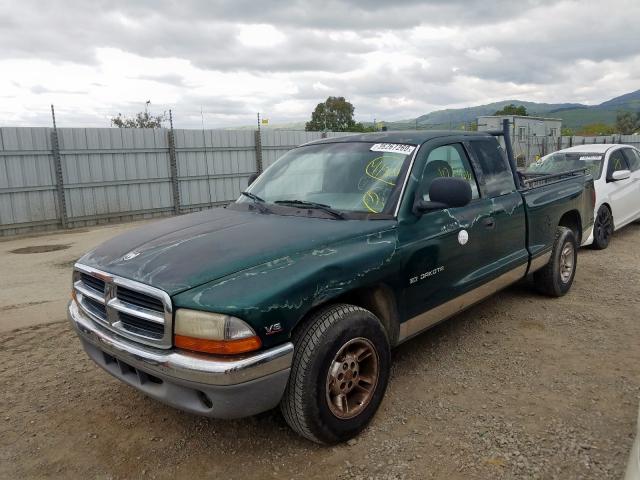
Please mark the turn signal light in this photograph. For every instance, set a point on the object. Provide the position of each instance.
(220, 347)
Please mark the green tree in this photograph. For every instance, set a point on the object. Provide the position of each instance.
(141, 120)
(567, 132)
(361, 127)
(512, 109)
(594, 129)
(627, 122)
(334, 114)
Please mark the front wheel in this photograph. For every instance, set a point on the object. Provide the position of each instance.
(555, 278)
(602, 228)
(339, 374)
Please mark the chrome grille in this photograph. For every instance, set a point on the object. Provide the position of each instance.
(131, 309)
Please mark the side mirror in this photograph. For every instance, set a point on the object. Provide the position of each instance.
(252, 178)
(444, 192)
(620, 175)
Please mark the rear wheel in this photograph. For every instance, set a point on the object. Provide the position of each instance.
(555, 278)
(339, 374)
(602, 228)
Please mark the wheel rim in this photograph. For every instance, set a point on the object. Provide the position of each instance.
(352, 378)
(604, 225)
(567, 261)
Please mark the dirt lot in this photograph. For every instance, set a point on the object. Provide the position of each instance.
(35, 273)
(520, 386)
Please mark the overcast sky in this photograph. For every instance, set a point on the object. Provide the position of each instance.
(393, 59)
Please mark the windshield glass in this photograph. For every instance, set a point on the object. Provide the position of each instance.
(564, 161)
(346, 176)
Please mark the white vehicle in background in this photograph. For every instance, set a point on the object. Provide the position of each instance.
(616, 174)
(633, 467)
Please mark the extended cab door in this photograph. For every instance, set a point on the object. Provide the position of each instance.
(449, 255)
(505, 242)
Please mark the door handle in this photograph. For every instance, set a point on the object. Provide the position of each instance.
(489, 222)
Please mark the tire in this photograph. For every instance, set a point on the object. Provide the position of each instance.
(602, 228)
(310, 404)
(555, 278)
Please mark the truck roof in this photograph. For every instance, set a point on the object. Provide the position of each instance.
(415, 137)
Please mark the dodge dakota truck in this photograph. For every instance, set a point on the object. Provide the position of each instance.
(344, 248)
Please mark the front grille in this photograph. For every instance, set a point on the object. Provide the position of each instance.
(131, 309)
(139, 299)
(140, 326)
(96, 308)
(93, 282)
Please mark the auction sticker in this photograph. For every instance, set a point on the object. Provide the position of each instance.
(393, 148)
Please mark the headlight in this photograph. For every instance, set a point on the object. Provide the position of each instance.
(213, 333)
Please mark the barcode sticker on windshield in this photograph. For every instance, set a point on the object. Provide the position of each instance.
(393, 148)
(591, 157)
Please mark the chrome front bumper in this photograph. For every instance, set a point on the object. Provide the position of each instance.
(218, 386)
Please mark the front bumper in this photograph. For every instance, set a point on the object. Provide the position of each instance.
(221, 387)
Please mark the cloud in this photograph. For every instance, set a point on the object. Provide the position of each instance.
(393, 60)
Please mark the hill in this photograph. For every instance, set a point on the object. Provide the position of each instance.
(573, 115)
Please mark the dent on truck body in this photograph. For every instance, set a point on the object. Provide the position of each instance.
(283, 290)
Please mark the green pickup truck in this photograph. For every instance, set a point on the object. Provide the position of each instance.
(343, 248)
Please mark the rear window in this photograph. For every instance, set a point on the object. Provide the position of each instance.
(565, 161)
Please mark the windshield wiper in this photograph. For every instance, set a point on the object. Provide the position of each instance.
(258, 201)
(253, 197)
(311, 205)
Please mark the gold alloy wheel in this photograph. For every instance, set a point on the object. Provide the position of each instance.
(566, 262)
(352, 378)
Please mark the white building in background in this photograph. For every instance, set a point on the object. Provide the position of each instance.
(531, 137)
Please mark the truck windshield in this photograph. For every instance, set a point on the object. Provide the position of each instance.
(346, 176)
(564, 161)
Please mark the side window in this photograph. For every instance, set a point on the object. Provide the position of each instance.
(616, 162)
(496, 171)
(633, 158)
(448, 161)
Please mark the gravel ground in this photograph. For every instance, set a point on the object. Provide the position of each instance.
(520, 386)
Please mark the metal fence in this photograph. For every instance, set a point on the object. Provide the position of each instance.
(72, 177)
(528, 149)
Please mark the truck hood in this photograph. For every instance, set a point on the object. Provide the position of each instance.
(186, 251)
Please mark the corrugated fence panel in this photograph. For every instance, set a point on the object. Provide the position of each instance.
(27, 180)
(115, 173)
(213, 165)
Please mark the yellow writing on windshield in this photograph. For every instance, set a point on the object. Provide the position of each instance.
(384, 169)
(372, 201)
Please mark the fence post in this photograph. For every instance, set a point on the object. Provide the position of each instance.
(173, 167)
(57, 164)
(258, 151)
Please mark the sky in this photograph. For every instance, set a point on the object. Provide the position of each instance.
(218, 63)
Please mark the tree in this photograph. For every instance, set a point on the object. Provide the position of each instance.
(362, 128)
(627, 122)
(141, 120)
(512, 109)
(334, 114)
